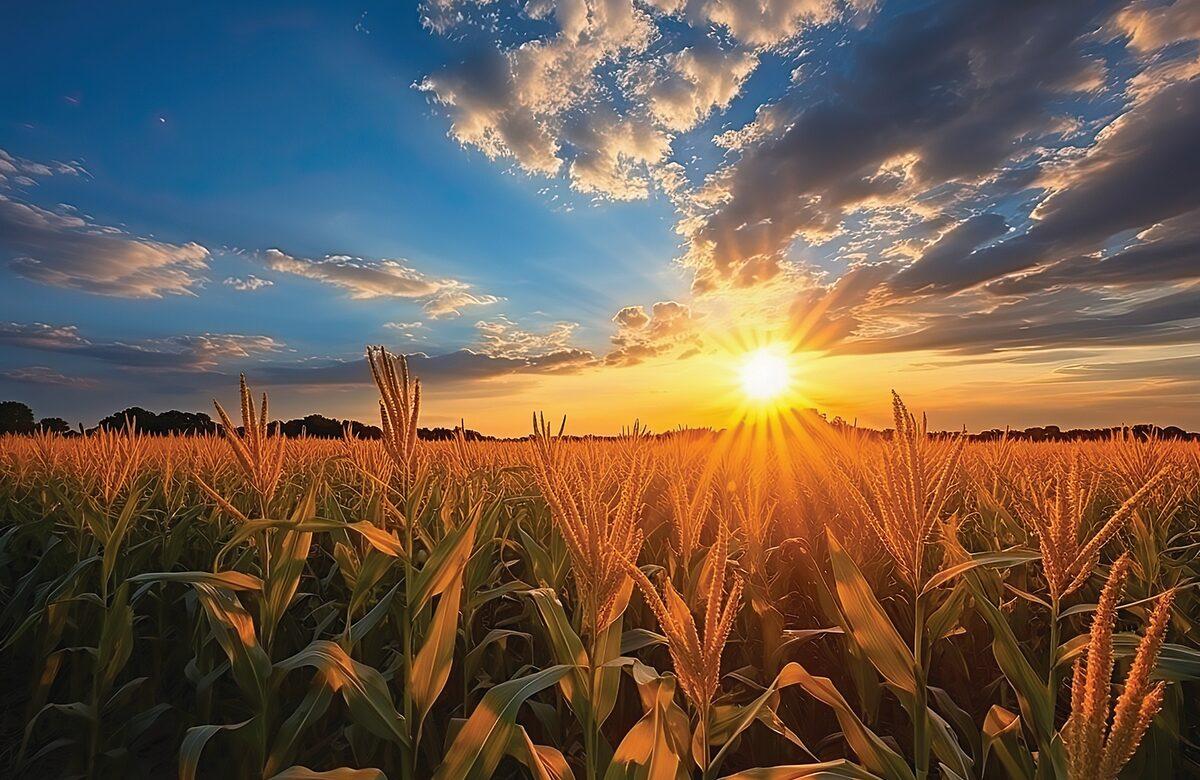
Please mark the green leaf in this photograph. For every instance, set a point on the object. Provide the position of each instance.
(485, 737)
(234, 631)
(869, 624)
(193, 745)
(445, 563)
(542, 761)
(828, 770)
(225, 580)
(871, 750)
(1176, 663)
(1026, 683)
(362, 686)
(363, 625)
(431, 667)
(1002, 737)
(310, 710)
(112, 546)
(997, 560)
(657, 745)
(761, 708)
(566, 648)
(342, 773)
(288, 559)
(116, 641)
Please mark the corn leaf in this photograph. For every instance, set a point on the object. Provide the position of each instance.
(363, 688)
(485, 738)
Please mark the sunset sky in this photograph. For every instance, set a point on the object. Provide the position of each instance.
(598, 207)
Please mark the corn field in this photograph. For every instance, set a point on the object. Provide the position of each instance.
(818, 603)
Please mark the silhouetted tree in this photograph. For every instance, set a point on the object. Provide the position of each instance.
(54, 425)
(15, 417)
(159, 424)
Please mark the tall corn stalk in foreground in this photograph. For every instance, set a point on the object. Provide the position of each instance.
(399, 407)
(697, 659)
(260, 458)
(595, 501)
(903, 500)
(115, 460)
(1096, 746)
(259, 455)
(1056, 509)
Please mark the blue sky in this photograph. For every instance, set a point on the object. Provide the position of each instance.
(579, 191)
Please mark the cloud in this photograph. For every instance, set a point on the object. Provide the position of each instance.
(1128, 180)
(615, 156)
(969, 177)
(935, 96)
(1170, 369)
(598, 88)
(940, 259)
(44, 375)
(486, 112)
(536, 103)
(453, 298)
(249, 283)
(69, 251)
(1166, 253)
(1151, 26)
(765, 23)
(16, 170)
(668, 326)
(438, 372)
(184, 353)
(1048, 320)
(501, 337)
(684, 87)
(365, 279)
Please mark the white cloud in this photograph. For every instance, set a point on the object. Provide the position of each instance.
(17, 170)
(44, 375)
(67, 250)
(683, 88)
(249, 283)
(501, 337)
(191, 352)
(365, 279)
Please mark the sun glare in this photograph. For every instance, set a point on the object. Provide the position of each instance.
(765, 375)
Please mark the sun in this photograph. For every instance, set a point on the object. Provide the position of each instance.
(765, 375)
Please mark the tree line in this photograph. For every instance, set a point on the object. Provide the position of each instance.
(17, 417)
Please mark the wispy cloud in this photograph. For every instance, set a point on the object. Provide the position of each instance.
(183, 353)
(64, 249)
(44, 375)
(19, 171)
(386, 278)
(249, 283)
